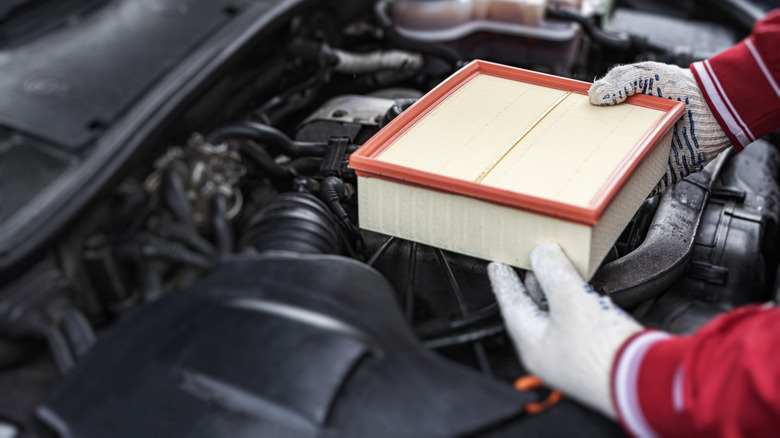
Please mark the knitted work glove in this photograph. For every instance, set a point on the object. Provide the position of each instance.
(573, 345)
(697, 137)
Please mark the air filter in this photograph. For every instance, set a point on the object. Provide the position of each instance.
(497, 160)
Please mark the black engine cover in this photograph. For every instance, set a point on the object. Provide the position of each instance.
(275, 345)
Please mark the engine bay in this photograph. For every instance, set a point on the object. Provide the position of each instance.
(180, 253)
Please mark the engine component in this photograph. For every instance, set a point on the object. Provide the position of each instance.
(420, 14)
(686, 40)
(741, 14)
(431, 14)
(661, 258)
(540, 43)
(336, 158)
(333, 191)
(354, 63)
(37, 304)
(275, 345)
(296, 222)
(352, 116)
(734, 252)
(198, 184)
(269, 136)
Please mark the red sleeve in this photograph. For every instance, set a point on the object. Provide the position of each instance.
(742, 84)
(724, 381)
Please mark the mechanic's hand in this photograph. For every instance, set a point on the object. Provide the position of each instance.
(697, 137)
(572, 346)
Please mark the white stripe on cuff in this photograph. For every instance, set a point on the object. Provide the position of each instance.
(725, 98)
(626, 380)
(678, 398)
(721, 103)
(762, 65)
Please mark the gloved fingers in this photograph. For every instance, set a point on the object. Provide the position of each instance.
(524, 320)
(534, 290)
(569, 297)
(614, 87)
(560, 280)
(626, 80)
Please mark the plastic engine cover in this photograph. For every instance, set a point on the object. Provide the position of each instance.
(275, 345)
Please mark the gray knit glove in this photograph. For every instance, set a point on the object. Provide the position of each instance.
(572, 345)
(697, 137)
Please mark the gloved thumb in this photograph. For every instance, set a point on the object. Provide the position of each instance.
(525, 321)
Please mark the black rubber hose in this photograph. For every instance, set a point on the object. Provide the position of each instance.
(174, 252)
(185, 235)
(77, 331)
(223, 233)
(398, 107)
(306, 165)
(296, 222)
(58, 347)
(269, 136)
(265, 162)
(151, 283)
(616, 41)
(175, 198)
(448, 55)
(273, 170)
(148, 247)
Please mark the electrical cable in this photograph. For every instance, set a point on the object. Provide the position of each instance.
(381, 250)
(479, 349)
(411, 273)
(464, 338)
(332, 191)
(443, 327)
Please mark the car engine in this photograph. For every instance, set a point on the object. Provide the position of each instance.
(180, 253)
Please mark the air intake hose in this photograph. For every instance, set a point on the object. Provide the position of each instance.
(296, 222)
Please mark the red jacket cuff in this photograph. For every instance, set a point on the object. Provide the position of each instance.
(718, 382)
(742, 85)
(660, 386)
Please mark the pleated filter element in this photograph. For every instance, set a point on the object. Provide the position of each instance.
(496, 160)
